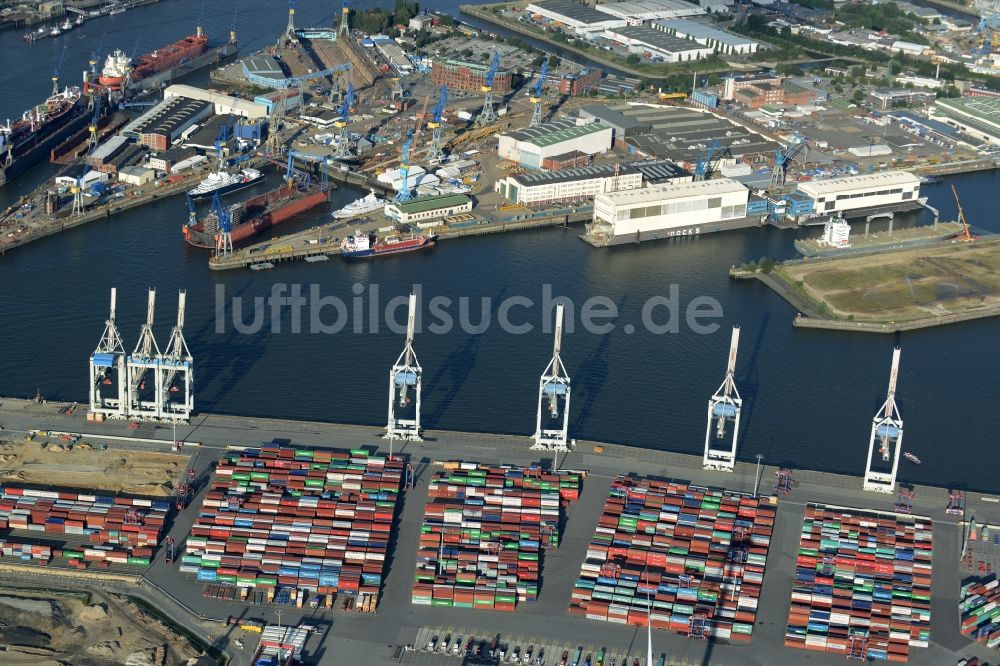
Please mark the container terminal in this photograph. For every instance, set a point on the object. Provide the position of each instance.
(553, 543)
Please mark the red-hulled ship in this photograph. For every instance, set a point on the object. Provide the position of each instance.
(362, 246)
(119, 69)
(251, 217)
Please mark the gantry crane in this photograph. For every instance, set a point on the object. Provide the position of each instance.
(344, 140)
(965, 235)
(403, 195)
(107, 368)
(704, 165)
(887, 429)
(405, 376)
(224, 220)
(177, 372)
(435, 154)
(142, 364)
(536, 95)
(488, 115)
(553, 396)
(723, 408)
(55, 73)
(783, 158)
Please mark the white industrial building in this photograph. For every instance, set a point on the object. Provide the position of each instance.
(670, 209)
(530, 147)
(392, 52)
(872, 190)
(658, 44)
(136, 175)
(581, 19)
(636, 12)
(223, 103)
(567, 184)
(707, 35)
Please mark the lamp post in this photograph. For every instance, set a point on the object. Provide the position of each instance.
(756, 483)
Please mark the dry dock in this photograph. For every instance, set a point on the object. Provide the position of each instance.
(372, 638)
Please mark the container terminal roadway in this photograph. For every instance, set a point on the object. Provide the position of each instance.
(349, 637)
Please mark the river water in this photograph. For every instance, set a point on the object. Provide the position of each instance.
(809, 395)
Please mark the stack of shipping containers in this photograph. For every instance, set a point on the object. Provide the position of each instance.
(980, 608)
(484, 531)
(862, 584)
(682, 558)
(92, 528)
(303, 519)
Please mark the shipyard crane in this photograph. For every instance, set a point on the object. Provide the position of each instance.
(224, 220)
(289, 35)
(704, 165)
(965, 235)
(107, 368)
(421, 120)
(55, 74)
(403, 195)
(488, 115)
(887, 430)
(92, 128)
(177, 366)
(783, 158)
(536, 95)
(143, 363)
(435, 154)
(553, 396)
(344, 141)
(723, 408)
(345, 21)
(95, 57)
(405, 376)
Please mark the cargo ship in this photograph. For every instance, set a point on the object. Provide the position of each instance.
(363, 246)
(120, 70)
(28, 140)
(251, 217)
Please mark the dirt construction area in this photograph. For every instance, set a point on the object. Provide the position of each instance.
(905, 285)
(50, 628)
(78, 465)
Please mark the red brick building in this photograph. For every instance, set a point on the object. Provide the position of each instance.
(579, 84)
(468, 76)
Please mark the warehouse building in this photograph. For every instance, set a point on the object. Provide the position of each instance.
(166, 160)
(979, 117)
(637, 12)
(467, 76)
(864, 192)
(546, 187)
(424, 211)
(224, 104)
(392, 52)
(165, 122)
(263, 69)
(663, 211)
(532, 146)
(580, 19)
(658, 44)
(105, 152)
(581, 83)
(719, 40)
(136, 175)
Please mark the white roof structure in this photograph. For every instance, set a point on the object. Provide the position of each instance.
(223, 103)
(666, 192)
(704, 33)
(815, 188)
(637, 11)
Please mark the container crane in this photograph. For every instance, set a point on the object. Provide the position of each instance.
(435, 154)
(107, 368)
(404, 171)
(143, 361)
(488, 115)
(554, 389)
(783, 158)
(965, 235)
(887, 429)
(704, 165)
(723, 408)
(344, 141)
(177, 366)
(404, 376)
(536, 95)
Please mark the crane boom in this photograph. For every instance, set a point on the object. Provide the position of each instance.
(423, 117)
(966, 235)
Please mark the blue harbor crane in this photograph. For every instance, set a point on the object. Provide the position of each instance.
(404, 171)
(55, 74)
(704, 165)
(783, 158)
(536, 95)
(488, 115)
(344, 141)
(435, 154)
(224, 220)
(92, 141)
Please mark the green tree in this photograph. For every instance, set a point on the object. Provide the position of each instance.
(633, 59)
(553, 61)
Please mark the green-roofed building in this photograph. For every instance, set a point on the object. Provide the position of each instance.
(423, 210)
(978, 117)
(532, 147)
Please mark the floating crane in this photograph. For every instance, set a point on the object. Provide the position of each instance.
(965, 235)
(783, 158)
(435, 154)
(344, 141)
(723, 408)
(404, 171)
(887, 429)
(177, 366)
(488, 115)
(536, 95)
(704, 165)
(107, 368)
(553, 395)
(404, 377)
(143, 362)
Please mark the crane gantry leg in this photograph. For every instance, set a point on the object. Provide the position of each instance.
(553, 396)
(724, 408)
(107, 370)
(887, 430)
(143, 365)
(177, 372)
(404, 377)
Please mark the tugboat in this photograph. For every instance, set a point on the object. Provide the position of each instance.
(363, 246)
(912, 458)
